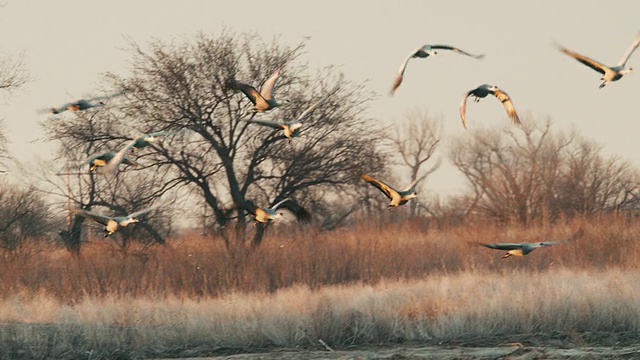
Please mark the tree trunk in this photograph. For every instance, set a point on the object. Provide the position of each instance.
(72, 238)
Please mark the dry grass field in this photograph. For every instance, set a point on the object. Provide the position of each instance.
(369, 286)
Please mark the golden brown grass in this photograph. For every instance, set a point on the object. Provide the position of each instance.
(364, 285)
(519, 305)
(192, 266)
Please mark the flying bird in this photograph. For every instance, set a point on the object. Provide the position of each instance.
(425, 51)
(105, 159)
(481, 92)
(263, 100)
(112, 224)
(145, 140)
(609, 73)
(266, 215)
(83, 104)
(113, 164)
(397, 197)
(522, 249)
(290, 129)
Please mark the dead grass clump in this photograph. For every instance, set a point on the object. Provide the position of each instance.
(367, 253)
(469, 306)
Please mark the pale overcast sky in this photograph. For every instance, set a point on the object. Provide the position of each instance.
(69, 44)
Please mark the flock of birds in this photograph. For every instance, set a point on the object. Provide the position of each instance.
(264, 101)
(609, 74)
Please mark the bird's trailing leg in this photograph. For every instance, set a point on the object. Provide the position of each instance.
(603, 84)
(506, 255)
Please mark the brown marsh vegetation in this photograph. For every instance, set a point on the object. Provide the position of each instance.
(366, 285)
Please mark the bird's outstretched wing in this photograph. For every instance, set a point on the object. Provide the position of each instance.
(145, 139)
(270, 123)
(113, 164)
(386, 189)
(412, 186)
(301, 213)
(162, 133)
(309, 109)
(106, 97)
(463, 107)
(549, 243)
(502, 246)
(400, 75)
(129, 161)
(507, 103)
(585, 60)
(633, 47)
(142, 212)
(572, 238)
(459, 51)
(267, 88)
(102, 219)
(252, 94)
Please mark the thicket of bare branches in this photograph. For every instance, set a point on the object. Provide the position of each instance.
(415, 141)
(81, 136)
(12, 72)
(220, 160)
(225, 159)
(538, 173)
(23, 215)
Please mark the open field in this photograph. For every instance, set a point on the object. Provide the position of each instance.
(565, 308)
(366, 288)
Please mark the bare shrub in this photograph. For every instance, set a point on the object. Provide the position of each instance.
(536, 174)
(415, 142)
(23, 215)
(195, 266)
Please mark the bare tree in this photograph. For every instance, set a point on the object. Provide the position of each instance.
(415, 141)
(23, 215)
(81, 137)
(12, 72)
(225, 157)
(533, 173)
